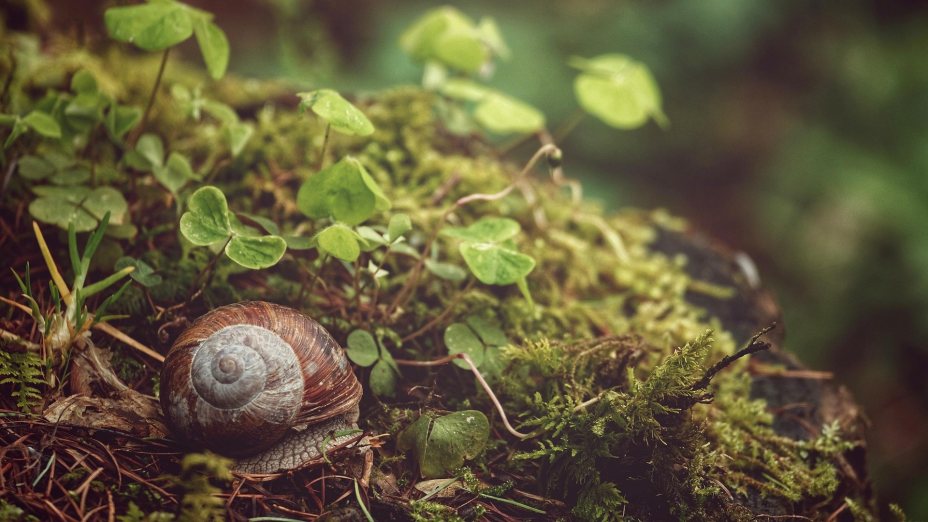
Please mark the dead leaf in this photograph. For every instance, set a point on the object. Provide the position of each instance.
(133, 412)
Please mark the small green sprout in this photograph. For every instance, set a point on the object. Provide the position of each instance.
(365, 351)
(442, 444)
(209, 222)
(344, 192)
(148, 156)
(618, 90)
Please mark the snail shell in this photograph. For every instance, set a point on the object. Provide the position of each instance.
(260, 382)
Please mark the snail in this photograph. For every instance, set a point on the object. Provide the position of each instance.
(261, 383)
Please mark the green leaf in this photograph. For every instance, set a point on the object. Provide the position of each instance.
(176, 173)
(337, 111)
(256, 252)
(143, 274)
(447, 271)
(120, 119)
(35, 168)
(448, 36)
(504, 115)
(222, 112)
(399, 225)
(83, 81)
(491, 35)
(383, 379)
(618, 90)
(442, 445)
(269, 226)
(237, 136)
(43, 124)
(107, 199)
(81, 206)
(487, 229)
(153, 26)
(73, 175)
(151, 149)
(489, 333)
(459, 338)
(344, 191)
(494, 264)
(207, 220)
(362, 348)
(339, 241)
(462, 89)
(214, 46)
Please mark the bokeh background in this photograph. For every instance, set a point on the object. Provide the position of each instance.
(799, 135)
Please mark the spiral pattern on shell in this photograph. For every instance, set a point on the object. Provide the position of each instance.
(244, 376)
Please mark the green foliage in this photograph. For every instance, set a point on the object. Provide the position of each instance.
(480, 340)
(442, 444)
(161, 24)
(489, 251)
(143, 273)
(25, 372)
(364, 351)
(493, 110)
(344, 191)
(336, 111)
(82, 207)
(37, 121)
(449, 37)
(209, 222)
(618, 90)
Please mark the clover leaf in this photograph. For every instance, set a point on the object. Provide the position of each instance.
(364, 351)
(618, 90)
(480, 340)
(336, 111)
(343, 191)
(504, 114)
(143, 274)
(82, 206)
(442, 444)
(161, 24)
(339, 241)
(208, 221)
(489, 252)
(37, 121)
(447, 36)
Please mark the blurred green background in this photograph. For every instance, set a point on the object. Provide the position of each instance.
(799, 134)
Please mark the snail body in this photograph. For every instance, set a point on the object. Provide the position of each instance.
(259, 382)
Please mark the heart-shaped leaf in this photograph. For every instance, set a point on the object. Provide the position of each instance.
(237, 136)
(152, 26)
(79, 205)
(256, 252)
(337, 111)
(43, 124)
(487, 229)
(120, 119)
(441, 445)
(459, 338)
(618, 90)
(143, 274)
(399, 225)
(383, 379)
(495, 264)
(339, 241)
(506, 115)
(447, 271)
(448, 36)
(362, 348)
(176, 173)
(207, 219)
(214, 46)
(343, 191)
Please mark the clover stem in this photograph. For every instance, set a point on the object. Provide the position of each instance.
(483, 384)
(151, 97)
(406, 291)
(209, 271)
(325, 145)
(444, 314)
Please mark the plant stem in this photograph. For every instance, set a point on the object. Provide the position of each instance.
(444, 314)
(483, 383)
(52, 267)
(151, 97)
(325, 145)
